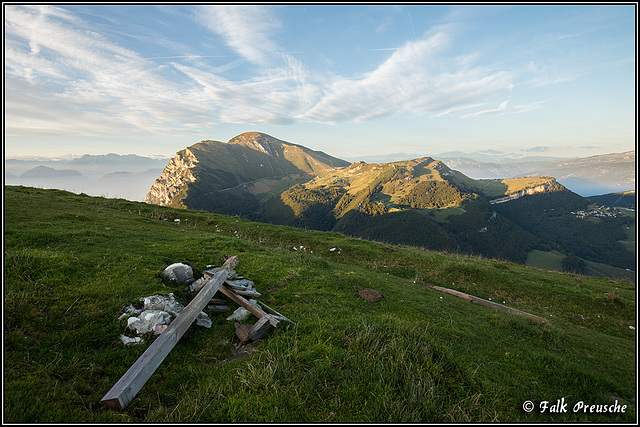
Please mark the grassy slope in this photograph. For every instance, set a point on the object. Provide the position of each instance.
(73, 262)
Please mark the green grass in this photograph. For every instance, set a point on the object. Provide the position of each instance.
(552, 260)
(72, 262)
(442, 215)
(549, 260)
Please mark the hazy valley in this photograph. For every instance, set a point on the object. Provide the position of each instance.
(111, 175)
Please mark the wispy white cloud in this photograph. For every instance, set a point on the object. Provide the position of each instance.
(454, 110)
(525, 108)
(418, 77)
(502, 108)
(246, 29)
(76, 77)
(63, 79)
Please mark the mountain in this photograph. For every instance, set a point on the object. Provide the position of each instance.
(92, 166)
(586, 176)
(420, 202)
(46, 177)
(625, 199)
(47, 172)
(232, 177)
(124, 176)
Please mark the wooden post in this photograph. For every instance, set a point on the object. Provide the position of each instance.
(123, 392)
(484, 302)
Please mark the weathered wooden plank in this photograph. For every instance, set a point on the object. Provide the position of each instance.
(260, 328)
(248, 293)
(246, 304)
(218, 308)
(123, 392)
(242, 332)
(484, 302)
(271, 311)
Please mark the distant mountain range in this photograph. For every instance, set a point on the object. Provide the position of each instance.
(587, 176)
(113, 175)
(422, 202)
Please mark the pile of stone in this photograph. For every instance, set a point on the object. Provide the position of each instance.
(162, 308)
(236, 288)
(156, 314)
(159, 311)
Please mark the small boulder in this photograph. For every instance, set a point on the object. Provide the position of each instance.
(240, 315)
(179, 272)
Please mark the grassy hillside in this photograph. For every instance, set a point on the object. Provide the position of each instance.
(620, 199)
(72, 262)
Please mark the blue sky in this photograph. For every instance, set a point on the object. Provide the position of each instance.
(350, 80)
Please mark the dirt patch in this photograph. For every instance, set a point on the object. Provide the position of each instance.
(239, 352)
(259, 188)
(370, 295)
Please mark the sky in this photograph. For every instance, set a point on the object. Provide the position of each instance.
(349, 80)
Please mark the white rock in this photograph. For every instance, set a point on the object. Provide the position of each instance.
(240, 315)
(129, 311)
(147, 320)
(126, 340)
(159, 302)
(203, 320)
(179, 272)
(158, 329)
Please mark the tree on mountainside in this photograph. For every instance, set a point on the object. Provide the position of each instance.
(573, 264)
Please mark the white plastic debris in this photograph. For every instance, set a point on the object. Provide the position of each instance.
(631, 327)
(332, 249)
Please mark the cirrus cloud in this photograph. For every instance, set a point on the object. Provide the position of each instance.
(62, 78)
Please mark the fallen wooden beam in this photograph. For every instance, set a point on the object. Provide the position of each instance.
(260, 328)
(123, 392)
(274, 313)
(259, 313)
(484, 302)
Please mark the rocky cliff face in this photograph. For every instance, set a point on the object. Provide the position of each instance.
(175, 177)
(207, 168)
(552, 183)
